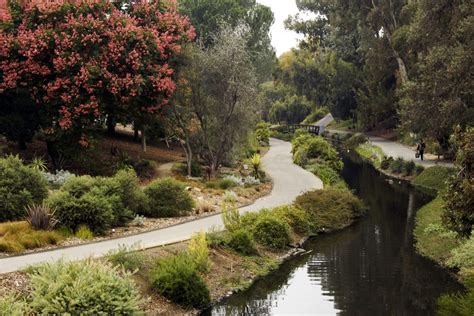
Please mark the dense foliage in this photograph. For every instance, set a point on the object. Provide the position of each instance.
(82, 63)
(87, 287)
(272, 232)
(167, 198)
(307, 148)
(459, 207)
(176, 278)
(20, 186)
(330, 209)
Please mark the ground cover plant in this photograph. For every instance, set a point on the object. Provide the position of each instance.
(435, 177)
(16, 237)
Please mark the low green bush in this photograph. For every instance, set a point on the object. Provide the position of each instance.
(83, 288)
(386, 162)
(330, 209)
(12, 305)
(306, 147)
(409, 167)
(20, 186)
(456, 304)
(434, 177)
(168, 198)
(295, 217)
(397, 166)
(316, 115)
(463, 256)
(262, 133)
(94, 211)
(199, 253)
(241, 240)
(83, 232)
(176, 278)
(127, 258)
(272, 232)
(225, 184)
(328, 175)
(355, 140)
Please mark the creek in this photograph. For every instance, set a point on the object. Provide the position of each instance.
(370, 268)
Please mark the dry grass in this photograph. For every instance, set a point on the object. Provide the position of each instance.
(16, 237)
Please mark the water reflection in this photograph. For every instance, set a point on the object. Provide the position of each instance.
(370, 268)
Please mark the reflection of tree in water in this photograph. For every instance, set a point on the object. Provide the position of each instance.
(373, 268)
(370, 268)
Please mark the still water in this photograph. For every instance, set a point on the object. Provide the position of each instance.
(370, 268)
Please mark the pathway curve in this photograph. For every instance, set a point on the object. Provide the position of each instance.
(391, 148)
(289, 180)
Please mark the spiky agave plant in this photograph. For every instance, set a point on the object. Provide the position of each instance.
(41, 216)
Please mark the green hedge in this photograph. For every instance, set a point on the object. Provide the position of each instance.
(272, 232)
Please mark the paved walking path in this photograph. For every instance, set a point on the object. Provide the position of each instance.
(289, 180)
(391, 148)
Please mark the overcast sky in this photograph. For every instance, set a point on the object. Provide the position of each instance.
(282, 39)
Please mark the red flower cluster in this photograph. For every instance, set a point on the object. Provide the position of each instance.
(92, 59)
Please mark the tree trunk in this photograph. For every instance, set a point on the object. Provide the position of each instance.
(135, 133)
(111, 123)
(143, 132)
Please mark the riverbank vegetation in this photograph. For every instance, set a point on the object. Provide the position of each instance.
(443, 229)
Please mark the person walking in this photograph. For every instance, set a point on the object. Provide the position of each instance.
(420, 149)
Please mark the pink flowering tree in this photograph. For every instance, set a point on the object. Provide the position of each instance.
(83, 63)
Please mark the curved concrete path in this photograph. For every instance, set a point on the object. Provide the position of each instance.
(289, 180)
(391, 148)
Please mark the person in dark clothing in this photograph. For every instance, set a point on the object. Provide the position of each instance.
(421, 149)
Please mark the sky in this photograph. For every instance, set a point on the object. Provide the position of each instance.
(283, 40)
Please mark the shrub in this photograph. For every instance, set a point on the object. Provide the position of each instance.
(20, 186)
(138, 220)
(127, 258)
(456, 304)
(229, 197)
(12, 305)
(87, 287)
(176, 278)
(316, 115)
(463, 256)
(235, 179)
(41, 217)
(328, 175)
(272, 232)
(419, 169)
(168, 198)
(204, 207)
(250, 181)
(241, 240)
(83, 232)
(230, 216)
(262, 133)
(295, 217)
(386, 162)
(57, 179)
(199, 253)
(79, 185)
(355, 140)
(409, 167)
(90, 209)
(256, 162)
(124, 194)
(397, 165)
(306, 147)
(330, 209)
(225, 184)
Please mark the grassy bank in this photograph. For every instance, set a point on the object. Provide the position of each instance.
(434, 178)
(371, 152)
